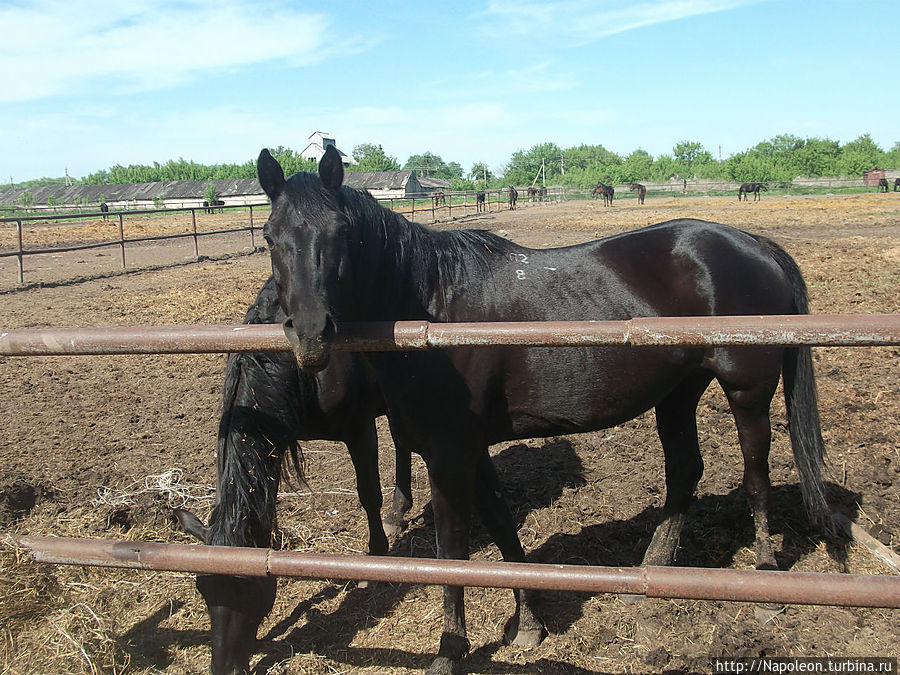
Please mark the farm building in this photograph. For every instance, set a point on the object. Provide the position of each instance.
(385, 184)
(434, 184)
(872, 176)
(318, 142)
(170, 194)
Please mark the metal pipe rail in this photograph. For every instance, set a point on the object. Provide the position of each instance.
(803, 588)
(816, 330)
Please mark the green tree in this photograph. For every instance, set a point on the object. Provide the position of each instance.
(210, 194)
(430, 165)
(690, 157)
(371, 157)
(860, 155)
(481, 174)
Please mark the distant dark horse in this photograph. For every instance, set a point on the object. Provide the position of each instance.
(338, 256)
(512, 197)
(605, 191)
(532, 192)
(104, 209)
(267, 406)
(747, 188)
(438, 199)
(897, 185)
(883, 185)
(641, 191)
(479, 201)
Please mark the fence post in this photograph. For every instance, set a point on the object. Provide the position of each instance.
(252, 238)
(412, 215)
(21, 257)
(122, 239)
(432, 207)
(450, 205)
(194, 227)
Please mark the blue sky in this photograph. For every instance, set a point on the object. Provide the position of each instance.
(89, 84)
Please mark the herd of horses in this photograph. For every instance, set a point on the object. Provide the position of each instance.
(338, 256)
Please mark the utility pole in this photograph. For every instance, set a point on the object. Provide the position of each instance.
(562, 164)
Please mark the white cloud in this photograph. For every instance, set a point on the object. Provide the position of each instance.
(584, 21)
(52, 47)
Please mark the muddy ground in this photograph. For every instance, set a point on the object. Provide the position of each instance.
(104, 446)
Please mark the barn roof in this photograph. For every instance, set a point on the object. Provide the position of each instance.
(378, 180)
(92, 194)
(434, 183)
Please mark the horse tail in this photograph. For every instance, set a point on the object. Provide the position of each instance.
(258, 431)
(801, 401)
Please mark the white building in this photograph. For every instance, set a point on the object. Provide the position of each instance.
(318, 141)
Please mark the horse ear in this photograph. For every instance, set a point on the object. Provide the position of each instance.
(271, 175)
(331, 169)
(192, 524)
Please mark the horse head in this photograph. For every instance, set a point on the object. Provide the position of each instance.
(236, 606)
(306, 235)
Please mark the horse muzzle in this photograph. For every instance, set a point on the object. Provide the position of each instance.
(312, 353)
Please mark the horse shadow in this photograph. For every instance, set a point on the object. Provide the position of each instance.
(717, 527)
(541, 476)
(148, 644)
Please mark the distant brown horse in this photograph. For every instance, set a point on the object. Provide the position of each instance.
(883, 185)
(438, 199)
(641, 191)
(605, 191)
(532, 192)
(746, 188)
(512, 197)
(479, 201)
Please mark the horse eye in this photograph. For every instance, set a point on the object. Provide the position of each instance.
(269, 241)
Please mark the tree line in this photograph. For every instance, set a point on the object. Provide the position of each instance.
(781, 158)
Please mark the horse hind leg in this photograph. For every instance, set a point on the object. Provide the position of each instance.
(523, 629)
(750, 407)
(676, 424)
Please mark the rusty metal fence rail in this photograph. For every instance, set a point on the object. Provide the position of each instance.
(710, 584)
(848, 330)
(802, 588)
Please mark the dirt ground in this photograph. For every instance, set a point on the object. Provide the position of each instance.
(104, 446)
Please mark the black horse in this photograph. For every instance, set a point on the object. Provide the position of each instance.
(641, 191)
(104, 209)
(883, 185)
(338, 256)
(438, 199)
(605, 191)
(479, 201)
(512, 197)
(268, 405)
(746, 188)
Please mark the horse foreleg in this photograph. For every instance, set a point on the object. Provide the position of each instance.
(676, 424)
(523, 629)
(363, 448)
(452, 479)
(402, 500)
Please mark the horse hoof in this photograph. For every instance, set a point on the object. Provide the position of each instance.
(631, 598)
(765, 612)
(441, 666)
(392, 529)
(528, 639)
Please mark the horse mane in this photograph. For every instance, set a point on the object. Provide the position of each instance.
(258, 431)
(420, 257)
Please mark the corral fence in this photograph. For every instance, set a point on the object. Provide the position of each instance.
(455, 204)
(119, 217)
(667, 582)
